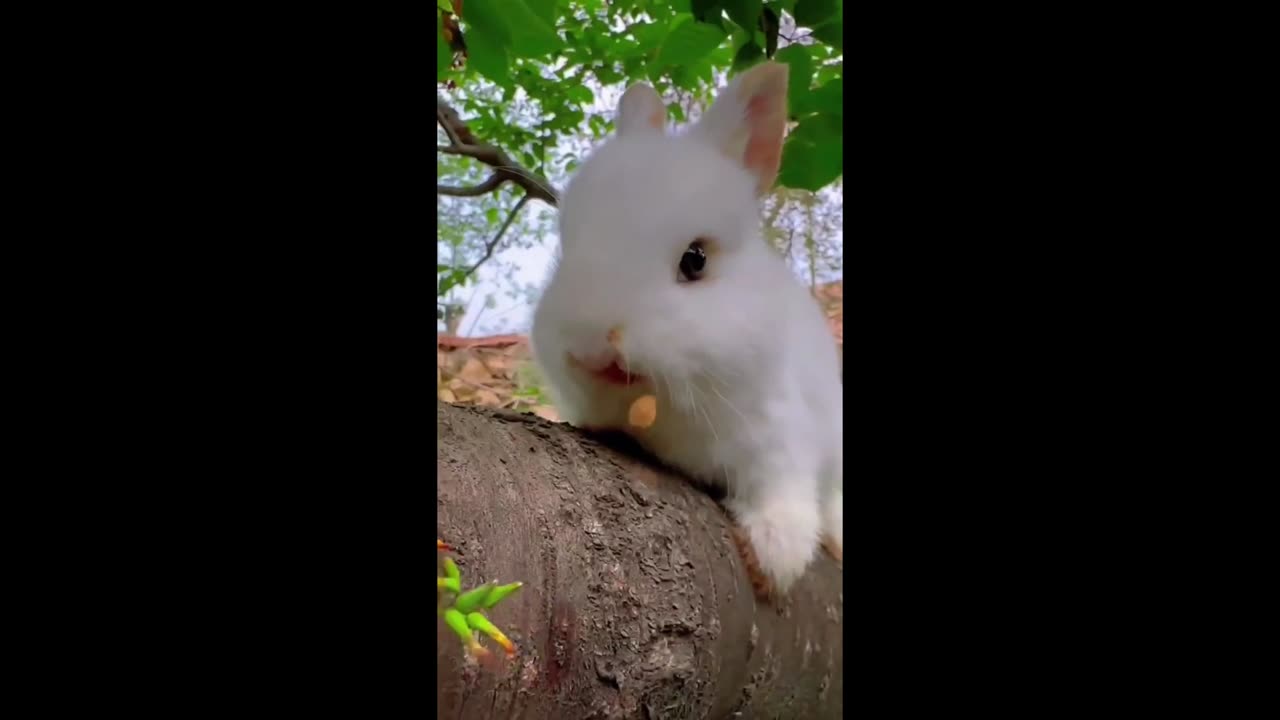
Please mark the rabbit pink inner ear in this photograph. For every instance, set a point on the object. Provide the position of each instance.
(749, 119)
(640, 110)
(768, 118)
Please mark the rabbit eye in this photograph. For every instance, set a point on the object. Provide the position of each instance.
(693, 262)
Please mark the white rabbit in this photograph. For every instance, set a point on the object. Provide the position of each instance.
(665, 286)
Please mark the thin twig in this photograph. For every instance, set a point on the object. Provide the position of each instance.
(489, 248)
(490, 184)
(476, 318)
(444, 121)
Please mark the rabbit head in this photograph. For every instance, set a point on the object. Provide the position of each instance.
(662, 272)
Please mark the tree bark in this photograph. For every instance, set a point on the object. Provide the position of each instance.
(635, 604)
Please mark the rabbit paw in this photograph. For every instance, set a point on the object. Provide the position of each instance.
(760, 583)
(778, 539)
(833, 528)
(833, 549)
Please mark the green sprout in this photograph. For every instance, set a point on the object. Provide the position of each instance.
(462, 610)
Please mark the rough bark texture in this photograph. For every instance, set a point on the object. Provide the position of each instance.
(636, 603)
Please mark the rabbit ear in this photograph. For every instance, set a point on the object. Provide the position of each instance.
(640, 111)
(748, 120)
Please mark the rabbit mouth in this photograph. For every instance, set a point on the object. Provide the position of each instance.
(613, 374)
(616, 375)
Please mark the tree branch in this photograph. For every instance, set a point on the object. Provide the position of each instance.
(463, 142)
(445, 123)
(635, 602)
(489, 248)
(489, 185)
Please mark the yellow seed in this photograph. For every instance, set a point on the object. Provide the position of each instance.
(644, 411)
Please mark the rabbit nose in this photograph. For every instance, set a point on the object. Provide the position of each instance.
(604, 357)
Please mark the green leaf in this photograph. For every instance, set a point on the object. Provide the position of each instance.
(606, 74)
(799, 77)
(811, 13)
(489, 59)
(831, 33)
(750, 54)
(531, 35)
(706, 10)
(481, 623)
(829, 99)
(827, 72)
(687, 42)
(499, 592)
(451, 569)
(649, 35)
(458, 623)
(472, 599)
(487, 41)
(544, 9)
(444, 56)
(571, 118)
(746, 13)
(580, 94)
(687, 77)
(486, 17)
(813, 156)
(631, 66)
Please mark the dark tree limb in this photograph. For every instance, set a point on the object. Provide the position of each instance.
(490, 184)
(463, 142)
(636, 603)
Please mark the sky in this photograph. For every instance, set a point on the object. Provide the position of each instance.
(511, 314)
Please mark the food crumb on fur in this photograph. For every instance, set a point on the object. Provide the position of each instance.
(643, 412)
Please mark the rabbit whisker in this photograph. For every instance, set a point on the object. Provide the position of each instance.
(699, 408)
(728, 485)
(713, 389)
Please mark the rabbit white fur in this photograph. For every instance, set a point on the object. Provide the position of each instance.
(741, 361)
